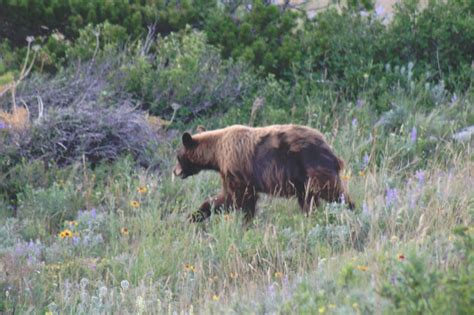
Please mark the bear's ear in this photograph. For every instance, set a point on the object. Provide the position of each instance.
(188, 141)
(200, 129)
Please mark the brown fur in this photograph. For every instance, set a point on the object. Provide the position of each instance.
(280, 160)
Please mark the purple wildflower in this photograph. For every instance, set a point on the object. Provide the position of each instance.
(93, 213)
(76, 240)
(391, 197)
(365, 209)
(413, 200)
(360, 103)
(354, 123)
(31, 251)
(271, 290)
(454, 99)
(413, 135)
(420, 176)
(20, 250)
(379, 10)
(393, 279)
(2, 125)
(365, 161)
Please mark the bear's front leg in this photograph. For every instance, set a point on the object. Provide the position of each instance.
(217, 202)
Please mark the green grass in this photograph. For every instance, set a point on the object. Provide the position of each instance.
(333, 261)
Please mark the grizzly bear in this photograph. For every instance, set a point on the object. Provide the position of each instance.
(280, 160)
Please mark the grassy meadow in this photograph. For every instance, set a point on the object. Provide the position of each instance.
(92, 221)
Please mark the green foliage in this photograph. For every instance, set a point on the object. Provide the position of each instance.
(346, 49)
(416, 289)
(44, 210)
(266, 36)
(438, 38)
(349, 51)
(186, 78)
(17, 175)
(104, 37)
(373, 89)
(22, 18)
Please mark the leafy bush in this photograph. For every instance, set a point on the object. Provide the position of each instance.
(188, 72)
(22, 18)
(345, 49)
(414, 289)
(266, 36)
(439, 38)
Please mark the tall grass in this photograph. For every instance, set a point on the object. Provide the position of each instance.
(398, 252)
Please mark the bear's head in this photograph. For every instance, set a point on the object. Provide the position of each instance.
(186, 164)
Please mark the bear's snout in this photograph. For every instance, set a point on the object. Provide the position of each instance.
(178, 171)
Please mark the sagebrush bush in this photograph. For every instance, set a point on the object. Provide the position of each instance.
(95, 133)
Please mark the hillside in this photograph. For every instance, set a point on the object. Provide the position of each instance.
(93, 104)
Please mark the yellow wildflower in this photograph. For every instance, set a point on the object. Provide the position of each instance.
(346, 177)
(355, 305)
(189, 268)
(124, 231)
(72, 223)
(142, 190)
(362, 268)
(278, 274)
(134, 204)
(322, 309)
(66, 233)
(361, 173)
(215, 298)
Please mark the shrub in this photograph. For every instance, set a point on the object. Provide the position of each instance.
(95, 133)
(103, 37)
(345, 49)
(439, 38)
(188, 72)
(22, 18)
(415, 289)
(266, 36)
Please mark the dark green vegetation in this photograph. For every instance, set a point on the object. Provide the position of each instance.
(91, 109)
